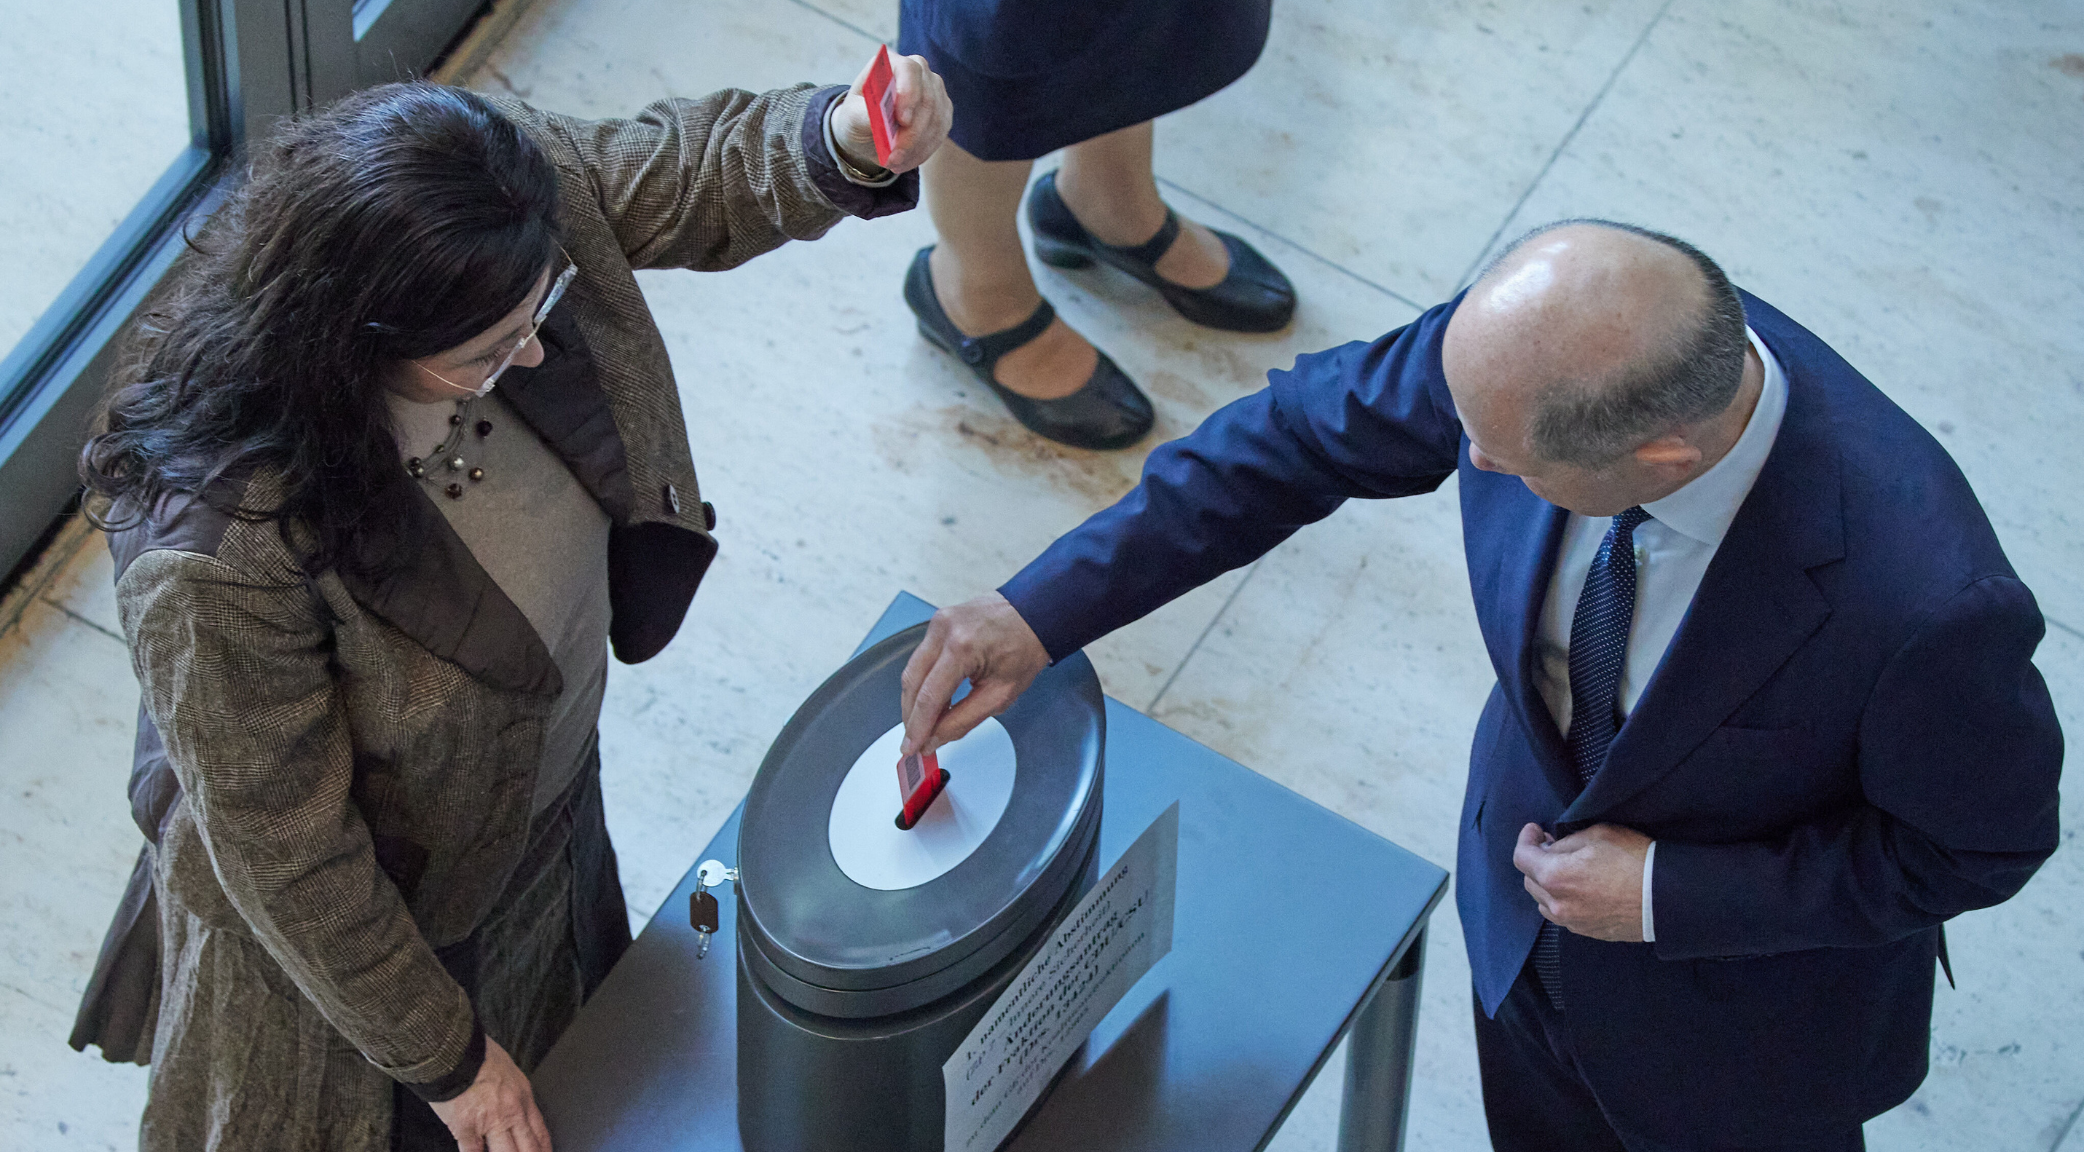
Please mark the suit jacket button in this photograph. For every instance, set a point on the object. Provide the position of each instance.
(672, 500)
(708, 516)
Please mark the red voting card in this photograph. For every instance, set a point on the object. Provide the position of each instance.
(919, 780)
(882, 104)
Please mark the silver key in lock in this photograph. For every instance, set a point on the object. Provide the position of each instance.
(702, 912)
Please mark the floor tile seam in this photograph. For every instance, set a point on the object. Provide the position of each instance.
(13, 608)
(1563, 145)
(58, 555)
(2068, 1127)
(1210, 627)
(31, 997)
(1305, 249)
(105, 631)
(839, 20)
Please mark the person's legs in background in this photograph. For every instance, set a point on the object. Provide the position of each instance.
(975, 297)
(1107, 182)
(980, 271)
(1103, 207)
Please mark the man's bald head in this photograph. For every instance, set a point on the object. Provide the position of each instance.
(1611, 335)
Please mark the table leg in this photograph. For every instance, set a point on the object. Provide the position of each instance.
(1379, 1051)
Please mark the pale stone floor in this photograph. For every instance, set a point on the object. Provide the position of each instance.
(1903, 178)
(96, 110)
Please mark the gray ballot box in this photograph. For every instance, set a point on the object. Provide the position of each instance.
(869, 947)
(1293, 927)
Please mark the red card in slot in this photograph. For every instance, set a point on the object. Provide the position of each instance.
(920, 780)
(882, 104)
(911, 773)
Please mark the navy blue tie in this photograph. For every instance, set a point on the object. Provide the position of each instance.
(1598, 648)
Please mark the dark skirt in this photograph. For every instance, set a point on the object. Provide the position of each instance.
(557, 930)
(1030, 76)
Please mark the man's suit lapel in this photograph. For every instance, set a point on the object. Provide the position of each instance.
(1756, 606)
(1513, 535)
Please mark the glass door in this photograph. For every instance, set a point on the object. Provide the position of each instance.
(127, 121)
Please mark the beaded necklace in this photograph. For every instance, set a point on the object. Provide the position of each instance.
(446, 462)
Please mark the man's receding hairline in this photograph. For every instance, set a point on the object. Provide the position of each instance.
(1676, 344)
(1695, 276)
(1680, 330)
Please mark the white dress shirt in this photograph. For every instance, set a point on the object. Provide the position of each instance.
(1672, 551)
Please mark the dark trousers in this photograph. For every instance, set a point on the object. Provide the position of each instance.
(1535, 1097)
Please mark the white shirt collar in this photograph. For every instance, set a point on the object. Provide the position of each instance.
(1703, 509)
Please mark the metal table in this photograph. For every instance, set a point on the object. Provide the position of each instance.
(1293, 927)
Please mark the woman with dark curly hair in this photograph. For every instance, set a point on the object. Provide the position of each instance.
(370, 598)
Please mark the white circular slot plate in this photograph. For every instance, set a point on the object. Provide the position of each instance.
(875, 853)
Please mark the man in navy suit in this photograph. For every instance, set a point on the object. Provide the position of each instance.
(1765, 714)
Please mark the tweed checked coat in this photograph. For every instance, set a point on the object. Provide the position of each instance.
(334, 775)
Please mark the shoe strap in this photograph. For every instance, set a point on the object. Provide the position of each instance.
(986, 349)
(1148, 252)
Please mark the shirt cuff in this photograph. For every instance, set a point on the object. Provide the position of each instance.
(821, 156)
(1649, 922)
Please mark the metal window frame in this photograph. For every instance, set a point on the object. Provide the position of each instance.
(249, 63)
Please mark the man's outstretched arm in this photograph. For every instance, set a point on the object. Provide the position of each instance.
(1361, 420)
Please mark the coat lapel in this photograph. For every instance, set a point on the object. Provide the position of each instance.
(440, 595)
(1755, 607)
(562, 399)
(436, 592)
(1513, 535)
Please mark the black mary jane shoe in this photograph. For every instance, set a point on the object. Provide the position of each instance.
(1253, 296)
(1109, 412)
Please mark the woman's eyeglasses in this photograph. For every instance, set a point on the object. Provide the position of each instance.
(535, 324)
